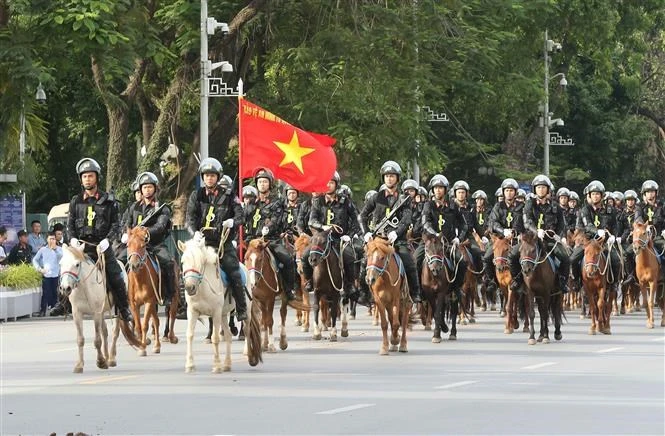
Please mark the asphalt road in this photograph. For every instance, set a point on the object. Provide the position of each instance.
(484, 383)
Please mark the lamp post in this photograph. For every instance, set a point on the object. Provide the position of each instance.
(546, 120)
(40, 97)
(211, 86)
(431, 117)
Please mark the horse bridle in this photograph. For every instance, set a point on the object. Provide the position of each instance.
(595, 265)
(259, 272)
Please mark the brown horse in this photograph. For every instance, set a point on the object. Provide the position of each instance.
(265, 285)
(594, 280)
(540, 281)
(144, 287)
(647, 268)
(301, 244)
(436, 289)
(387, 282)
(469, 288)
(328, 282)
(501, 248)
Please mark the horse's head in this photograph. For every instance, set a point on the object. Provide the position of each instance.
(592, 252)
(529, 253)
(433, 254)
(301, 243)
(378, 254)
(254, 260)
(137, 240)
(642, 235)
(195, 257)
(501, 248)
(70, 268)
(320, 247)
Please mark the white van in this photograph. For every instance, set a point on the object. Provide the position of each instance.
(58, 214)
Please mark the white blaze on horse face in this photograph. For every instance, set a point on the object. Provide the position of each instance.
(252, 270)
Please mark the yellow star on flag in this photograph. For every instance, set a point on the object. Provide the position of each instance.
(293, 152)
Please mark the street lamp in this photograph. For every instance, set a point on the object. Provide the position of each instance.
(212, 86)
(431, 117)
(40, 97)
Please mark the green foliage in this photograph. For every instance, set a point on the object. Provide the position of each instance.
(20, 277)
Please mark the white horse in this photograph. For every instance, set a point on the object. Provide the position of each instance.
(84, 284)
(206, 295)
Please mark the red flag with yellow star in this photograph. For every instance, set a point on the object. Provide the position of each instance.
(304, 160)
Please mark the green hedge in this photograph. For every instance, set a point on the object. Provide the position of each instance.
(20, 277)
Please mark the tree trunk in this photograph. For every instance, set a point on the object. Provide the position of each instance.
(116, 158)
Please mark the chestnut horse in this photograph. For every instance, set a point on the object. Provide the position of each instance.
(385, 278)
(501, 248)
(436, 289)
(647, 267)
(301, 244)
(328, 282)
(145, 288)
(595, 283)
(540, 281)
(265, 285)
(469, 287)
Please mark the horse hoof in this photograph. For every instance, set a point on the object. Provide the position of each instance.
(142, 352)
(207, 341)
(615, 313)
(283, 345)
(531, 342)
(649, 325)
(190, 369)
(393, 348)
(436, 340)
(304, 329)
(241, 337)
(165, 338)
(345, 333)
(101, 364)
(558, 336)
(113, 363)
(464, 322)
(298, 323)
(546, 340)
(375, 322)
(507, 331)
(606, 331)
(383, 352)
(428, 328)
(325, 328)
(452, 337)
(147, 341)
(352, 317)
(540, 339)
(662, 323)
(78, 370)
(592, 331)
(493, 308)
(526, 330)
(156, 350)
(581, 316)
(333, 338)
(403, 349)
(483, 309)
(502, 314)
(272, 349)
(217, 370)
(173, 340)
(472, 320)
(316, 336)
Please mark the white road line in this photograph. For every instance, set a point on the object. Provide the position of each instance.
(95, 381)
(62, 349)
(609, 350)
(661, 339)
(344, 409)
(539, 365)
(525, 383)
(458, 384)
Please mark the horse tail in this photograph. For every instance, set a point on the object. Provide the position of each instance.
(253, 336)
(298, 305)
(128, 333)
(556, 309)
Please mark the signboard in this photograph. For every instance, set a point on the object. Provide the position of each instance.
(12, 216)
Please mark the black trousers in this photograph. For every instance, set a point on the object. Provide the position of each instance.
(286, 264)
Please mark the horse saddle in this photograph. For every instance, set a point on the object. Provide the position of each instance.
(400, 264)
(554, 263)
(155, 264)
(225, 277)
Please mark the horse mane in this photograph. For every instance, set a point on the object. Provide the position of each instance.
(256, 244)
(301, 242)
(78, 254)
(501, 243)
(193, 246)
(529, 237)
(380, 244)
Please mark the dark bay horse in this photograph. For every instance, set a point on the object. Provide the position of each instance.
(540, 282)
(596, 287)
(436, 288)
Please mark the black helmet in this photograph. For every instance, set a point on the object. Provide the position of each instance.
(391, 167)
(521, 193)
(595, 186)
(509, 183)
(479, 194)
(264, 173)
(249, 191)
(210, 165)
(649, 185)
(135, 186)
(618, 195)
(460, 184)
(147, 178)
(344, 189)
(499, 191)
(370, 194)
(87, 165)
(438, 180)
(225, 182)
(409, 184)
(563, 192)
(422, 191)
(630, 194)
(336, 178)
(541, 180)
(574, 196)
(288, 188)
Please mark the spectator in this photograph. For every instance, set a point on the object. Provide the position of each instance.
(21, 253)
(59, 231)
(47, 262)
(3, 238)
(36, 240)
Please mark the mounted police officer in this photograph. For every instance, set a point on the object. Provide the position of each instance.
(210, 210)
(651, 212)
(544, 216)
(444, 220)
(379, 207)
(626, 219)
(264, 219)
(573, 209)
(481, 214)
(335, 212)
(291, 210)
(505, 222)
(563, 195)
(410, 188)
(159, 227)
(93, 219)
(249, 194)
(461, 194)
(597, 221)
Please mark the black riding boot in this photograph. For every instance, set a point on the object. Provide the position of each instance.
(238, 292)
(63, 307)
(169, 284)
(563, 283)
(119, 292)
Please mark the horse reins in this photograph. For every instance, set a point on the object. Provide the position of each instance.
(325, 254)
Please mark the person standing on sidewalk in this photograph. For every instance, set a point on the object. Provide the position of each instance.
(47, 262)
